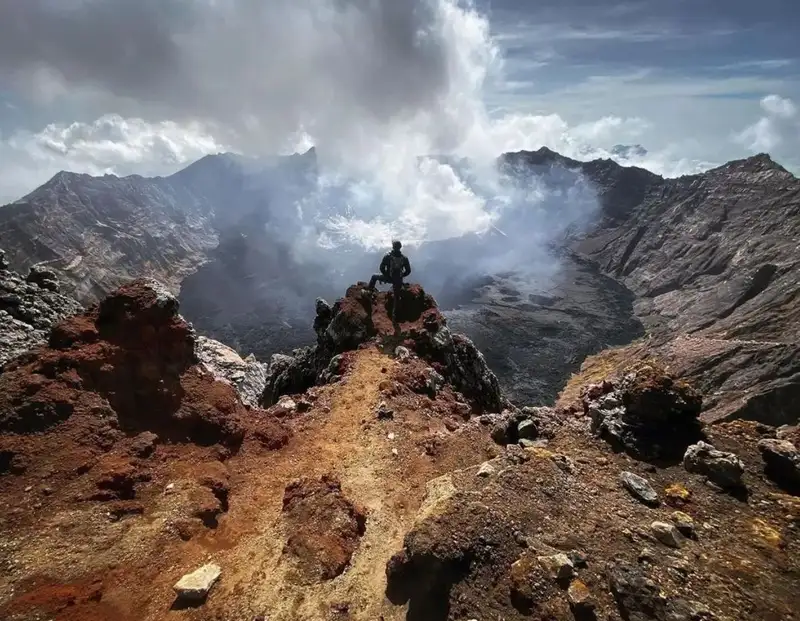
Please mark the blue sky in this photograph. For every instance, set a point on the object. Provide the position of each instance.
(145, 86)
(695, 69)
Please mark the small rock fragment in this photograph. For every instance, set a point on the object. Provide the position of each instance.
(639, 488)
(144, 444)
(647, 555)
(679, 566)
(639, 598)
(769, 535)
(579, 597)
(402, 353)
(527, 429)
(486, 470)
(666, 534)
(782, 461)
(194, 587)
(384, 412)
(557, 566)
(287, 404)
(578, 558)
(722, 469)
(684, 523)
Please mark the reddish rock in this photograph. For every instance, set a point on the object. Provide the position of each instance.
(325, 527)
(128, 361)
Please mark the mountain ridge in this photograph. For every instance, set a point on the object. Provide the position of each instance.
(707, 255)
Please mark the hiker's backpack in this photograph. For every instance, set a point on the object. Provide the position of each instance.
(396, 262)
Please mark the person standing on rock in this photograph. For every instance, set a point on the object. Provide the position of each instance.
(394, 267)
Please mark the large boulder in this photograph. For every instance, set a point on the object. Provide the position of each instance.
(782, 462)
(721, 468)
(648, 413)
(130, 364)
(248, 376)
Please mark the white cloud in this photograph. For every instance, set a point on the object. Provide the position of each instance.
(779, 107)
(109, 145)
(770, 131)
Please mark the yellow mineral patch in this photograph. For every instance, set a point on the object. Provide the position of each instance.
(766, 532)
(677, 493)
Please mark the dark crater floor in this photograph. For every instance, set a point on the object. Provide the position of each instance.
(534, 338)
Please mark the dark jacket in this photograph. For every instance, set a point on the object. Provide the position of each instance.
(395, 265)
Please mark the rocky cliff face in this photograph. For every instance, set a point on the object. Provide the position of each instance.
(100, 232)
(97, 233)
(713, 264)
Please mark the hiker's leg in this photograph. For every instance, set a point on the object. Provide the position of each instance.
(397, 287)
(375, 278)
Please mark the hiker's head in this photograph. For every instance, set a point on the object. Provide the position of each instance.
(396, 245)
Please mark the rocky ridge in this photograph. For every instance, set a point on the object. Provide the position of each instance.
(712, 261)
(705, 264)
(139, 486)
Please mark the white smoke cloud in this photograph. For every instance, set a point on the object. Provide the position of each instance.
(780, 121)
(376, 87)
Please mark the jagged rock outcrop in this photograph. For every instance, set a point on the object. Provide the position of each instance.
(128, 365)
(29, 307)
(647, 412)
(359, 317)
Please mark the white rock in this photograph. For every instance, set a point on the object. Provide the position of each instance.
(287, 403)
(666, 534)
(248, 376)
(558, 566)
(196, 585)
(391, 436)
(486, 470)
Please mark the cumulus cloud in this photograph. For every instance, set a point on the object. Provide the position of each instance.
(780, 119)
(779, 107)
(109, 145)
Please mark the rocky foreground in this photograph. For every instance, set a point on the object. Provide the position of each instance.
(379, 474)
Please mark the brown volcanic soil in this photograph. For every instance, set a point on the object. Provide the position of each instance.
(326, 510)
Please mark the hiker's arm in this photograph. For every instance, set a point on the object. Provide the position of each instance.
(385, 265)
(406, 267)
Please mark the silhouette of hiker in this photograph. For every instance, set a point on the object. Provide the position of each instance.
(394, 267)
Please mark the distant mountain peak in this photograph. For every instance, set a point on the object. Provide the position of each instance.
(761, 162)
